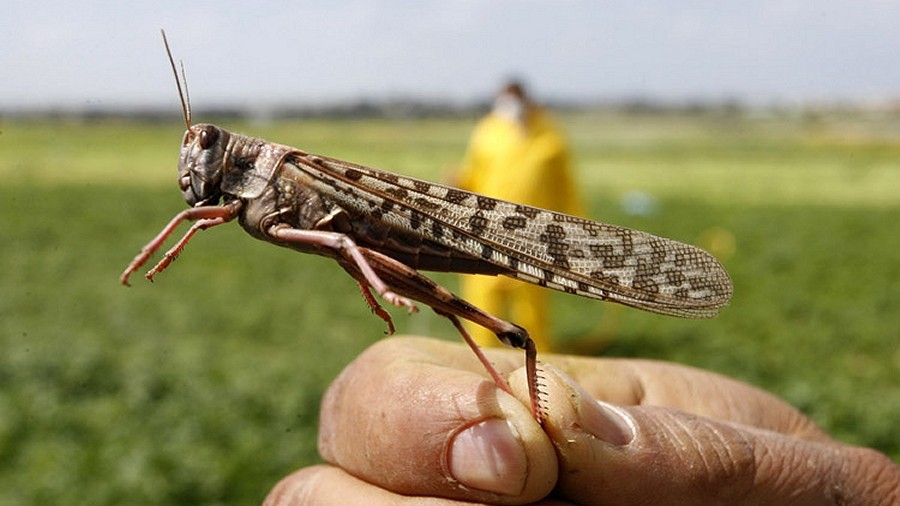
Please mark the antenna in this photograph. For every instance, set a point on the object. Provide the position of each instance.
(184, 96)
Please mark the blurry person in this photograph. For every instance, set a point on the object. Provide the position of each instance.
(516, 153)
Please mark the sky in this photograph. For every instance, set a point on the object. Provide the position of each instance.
(109, 54)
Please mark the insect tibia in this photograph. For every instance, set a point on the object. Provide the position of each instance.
(531, 374)
(540, 394)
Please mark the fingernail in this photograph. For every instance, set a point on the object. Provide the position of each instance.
(605, 421)
(489, 456)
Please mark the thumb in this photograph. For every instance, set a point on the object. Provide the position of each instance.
(654, 455)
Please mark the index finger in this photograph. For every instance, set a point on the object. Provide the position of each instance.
(638, 382)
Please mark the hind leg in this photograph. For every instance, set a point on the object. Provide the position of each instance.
(408, 282)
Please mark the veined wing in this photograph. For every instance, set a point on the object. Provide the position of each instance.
(543, 247)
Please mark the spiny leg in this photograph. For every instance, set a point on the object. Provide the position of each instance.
(409, 282)
(518, 338)
(531, 373)
(492, 371)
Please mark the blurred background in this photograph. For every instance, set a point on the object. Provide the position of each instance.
(766, 132)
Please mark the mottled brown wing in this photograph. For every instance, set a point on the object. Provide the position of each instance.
(543, 247)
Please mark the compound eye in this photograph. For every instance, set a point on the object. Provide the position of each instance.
(208, 137)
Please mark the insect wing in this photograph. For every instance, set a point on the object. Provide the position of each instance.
(543, 247)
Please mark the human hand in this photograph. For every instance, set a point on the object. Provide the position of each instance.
(417, 421)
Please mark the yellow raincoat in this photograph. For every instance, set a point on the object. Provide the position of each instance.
(526, 164)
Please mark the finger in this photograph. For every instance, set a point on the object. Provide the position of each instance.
(632, 382)
(653, 455)
(420, 417)
(328, 485)
(325, 485)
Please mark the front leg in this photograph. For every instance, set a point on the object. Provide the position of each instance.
(174, 251)
(208, 216)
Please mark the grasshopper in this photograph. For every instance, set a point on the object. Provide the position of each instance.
(382, 228)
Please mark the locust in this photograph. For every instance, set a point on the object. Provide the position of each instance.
(382, 228)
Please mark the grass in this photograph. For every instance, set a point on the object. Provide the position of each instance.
(203, 388)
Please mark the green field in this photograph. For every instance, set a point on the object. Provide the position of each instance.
(203, 387)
